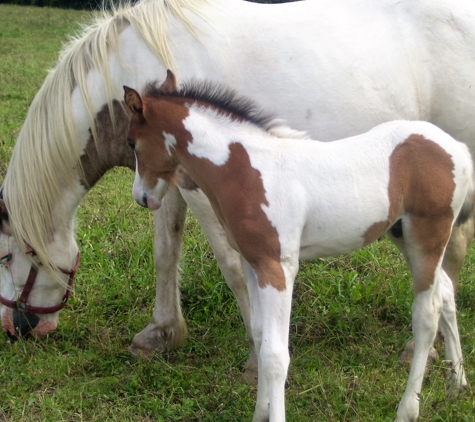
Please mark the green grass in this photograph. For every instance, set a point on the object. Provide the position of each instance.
(351, 315)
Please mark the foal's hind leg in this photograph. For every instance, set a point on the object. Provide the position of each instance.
(408, 352)
(454, 256)
(167, 329)
(448, 326)
(425, 315)
(424, 243)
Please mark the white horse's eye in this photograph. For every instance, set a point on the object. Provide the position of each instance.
(5, 259)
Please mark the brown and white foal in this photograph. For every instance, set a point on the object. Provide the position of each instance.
(281, 200)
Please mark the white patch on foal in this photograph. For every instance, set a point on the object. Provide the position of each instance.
(170, 141)
(219, 137)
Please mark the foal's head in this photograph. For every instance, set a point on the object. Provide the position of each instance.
(151, 138)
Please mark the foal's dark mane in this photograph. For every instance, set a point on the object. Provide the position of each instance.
(223, 98)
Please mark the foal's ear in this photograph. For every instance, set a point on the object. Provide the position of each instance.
(169, 85)
(132, 100)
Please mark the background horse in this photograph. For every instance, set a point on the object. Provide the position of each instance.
(386, 65)
(281, 200)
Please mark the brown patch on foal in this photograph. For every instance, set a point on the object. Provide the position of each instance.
(184, 180)
(237, 194)
(414, 166)
(375, 231)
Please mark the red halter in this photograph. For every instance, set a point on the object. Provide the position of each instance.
(22, 302)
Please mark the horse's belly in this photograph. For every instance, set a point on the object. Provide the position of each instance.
(342, 226)
(330, 240)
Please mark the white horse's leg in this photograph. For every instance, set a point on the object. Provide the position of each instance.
(167, 329)
(229, 262)
(448, 325)
(462, 235)
(274, 359)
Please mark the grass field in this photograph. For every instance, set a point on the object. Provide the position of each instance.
(351, 315)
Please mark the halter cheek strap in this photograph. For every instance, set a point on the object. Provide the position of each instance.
(22, 302)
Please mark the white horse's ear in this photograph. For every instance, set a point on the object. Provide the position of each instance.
(3, 210)
(4, 221)
(170, 83)
(132, 100)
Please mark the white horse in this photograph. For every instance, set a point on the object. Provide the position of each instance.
(334, 68)
(280, 200)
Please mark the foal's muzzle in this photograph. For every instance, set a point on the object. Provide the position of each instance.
(143, 201)
(149, 202)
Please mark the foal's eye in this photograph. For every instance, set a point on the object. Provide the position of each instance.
(132, 146)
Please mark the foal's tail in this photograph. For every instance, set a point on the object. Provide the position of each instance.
(467, 210)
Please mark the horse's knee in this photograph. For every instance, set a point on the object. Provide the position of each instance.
(275, 361)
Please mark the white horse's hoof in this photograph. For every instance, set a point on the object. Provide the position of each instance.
(158, 339)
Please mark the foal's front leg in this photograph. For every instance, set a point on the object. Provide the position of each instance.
(229, 262)
(167, 329)
(261, 413)
(270, 319)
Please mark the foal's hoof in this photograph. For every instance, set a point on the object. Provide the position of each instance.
(455, 379)
(408, 352)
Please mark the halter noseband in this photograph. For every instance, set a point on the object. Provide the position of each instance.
(22, 302)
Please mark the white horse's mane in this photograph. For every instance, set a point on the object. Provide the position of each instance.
(46, 151)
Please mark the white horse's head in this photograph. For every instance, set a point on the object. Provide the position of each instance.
(30, 295)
